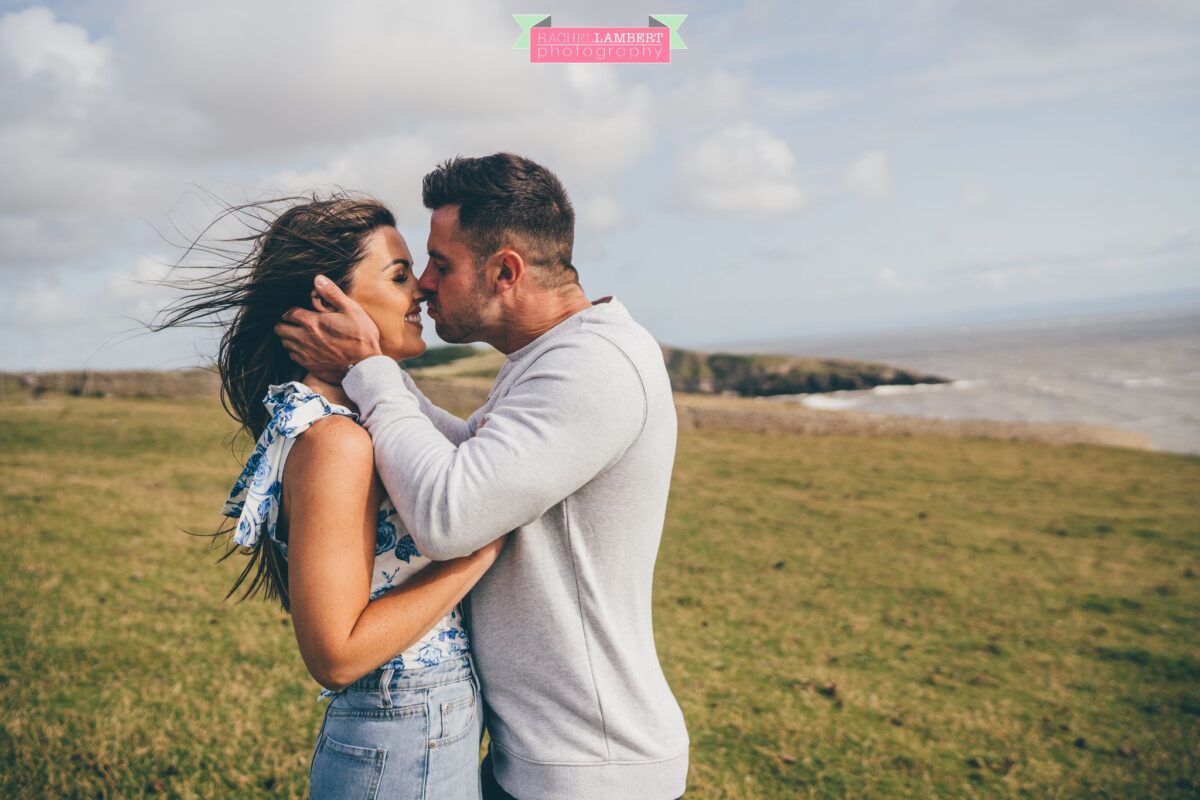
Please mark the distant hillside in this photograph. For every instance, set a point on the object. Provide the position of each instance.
(716, 373)
(188, 382)
(442, 355)
(764, 375)
(467, 362)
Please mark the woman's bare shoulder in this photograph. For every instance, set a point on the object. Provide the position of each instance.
(330, 473)
(333, 442)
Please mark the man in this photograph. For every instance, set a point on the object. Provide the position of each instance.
(575, 457)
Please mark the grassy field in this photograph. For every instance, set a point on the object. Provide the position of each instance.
(839, 616)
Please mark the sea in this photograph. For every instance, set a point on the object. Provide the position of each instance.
(1137, 371)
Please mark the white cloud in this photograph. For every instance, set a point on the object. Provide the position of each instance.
(109, 116)
(786, 100)
(870, 175)
(140, 291)
(389, 168)
(611, 123)
(996, 278)
(53, 324)
(45, 303)
(975, 196)
(600, 213)
(246, 100)
(36, 44)
(1032, 23)
(1167, 260)
(48, 170)
(588, 138)
(1004, 74)
(721, 92)
(258, 78)
(29, 241)
(285, 83)
(45, 300)
(740, 168)
(715, 93)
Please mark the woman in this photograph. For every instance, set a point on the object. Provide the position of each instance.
(377, 623)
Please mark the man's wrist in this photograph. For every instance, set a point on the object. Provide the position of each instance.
(368, 373)
(355, 361)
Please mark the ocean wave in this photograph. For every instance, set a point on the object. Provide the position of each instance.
(829, 401)
(852, 398)
(914, 388)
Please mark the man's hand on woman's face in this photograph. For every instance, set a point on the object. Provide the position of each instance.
(326, 342)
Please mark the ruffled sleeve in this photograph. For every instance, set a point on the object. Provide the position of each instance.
(254, 498)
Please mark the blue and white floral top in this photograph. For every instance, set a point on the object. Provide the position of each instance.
(255, 497)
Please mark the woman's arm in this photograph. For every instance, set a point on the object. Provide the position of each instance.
(331, 504)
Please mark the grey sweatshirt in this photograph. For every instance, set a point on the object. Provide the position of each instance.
(573, 451)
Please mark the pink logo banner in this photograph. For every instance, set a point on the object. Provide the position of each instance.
(599, 46)
(649, 45)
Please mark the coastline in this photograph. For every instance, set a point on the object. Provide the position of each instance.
(763, 415)
(463, 394)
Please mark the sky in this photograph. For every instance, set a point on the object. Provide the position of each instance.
(802, 168)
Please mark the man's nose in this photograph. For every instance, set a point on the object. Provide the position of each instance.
(427, 283)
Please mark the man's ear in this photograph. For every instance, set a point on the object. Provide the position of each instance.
(511, 268)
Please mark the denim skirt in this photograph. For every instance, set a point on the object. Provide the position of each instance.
(411, 734)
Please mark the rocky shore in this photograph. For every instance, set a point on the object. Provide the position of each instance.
(767, 375)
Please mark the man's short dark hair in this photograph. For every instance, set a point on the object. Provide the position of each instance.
(505, 199)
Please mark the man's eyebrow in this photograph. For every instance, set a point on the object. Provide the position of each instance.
(407, 264)
(436, 254)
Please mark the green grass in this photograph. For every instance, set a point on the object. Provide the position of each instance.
(839, 616)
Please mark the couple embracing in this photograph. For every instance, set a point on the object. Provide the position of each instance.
(546, 505)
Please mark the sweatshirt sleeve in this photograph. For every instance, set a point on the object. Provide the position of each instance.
(570, 414)
(450, 426)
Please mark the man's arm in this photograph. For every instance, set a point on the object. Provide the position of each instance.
(571, 414)
(450, 426)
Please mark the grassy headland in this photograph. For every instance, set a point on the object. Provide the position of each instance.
(766, 375)
(840, 616)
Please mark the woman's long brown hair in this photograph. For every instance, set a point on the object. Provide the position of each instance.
(256, 278)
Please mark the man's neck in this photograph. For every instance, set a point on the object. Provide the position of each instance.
(538, 316)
